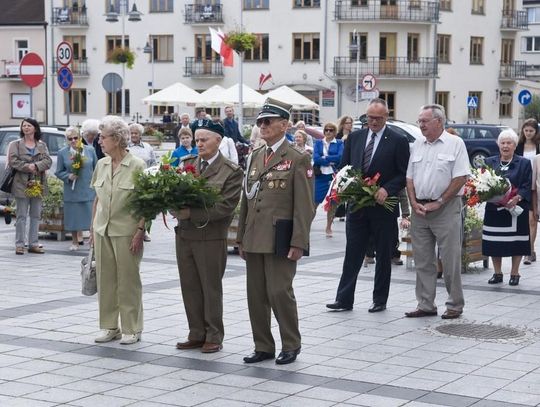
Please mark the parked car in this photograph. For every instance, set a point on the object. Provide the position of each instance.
(480, 140)
(52, 136)
(411, 131)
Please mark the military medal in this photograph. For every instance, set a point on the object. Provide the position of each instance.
(271, 184)
(269, 175)
(282, 184)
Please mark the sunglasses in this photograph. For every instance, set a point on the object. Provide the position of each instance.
(329, 130)
(72, 138)
(265, 121)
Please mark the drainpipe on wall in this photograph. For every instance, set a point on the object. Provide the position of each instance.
(325, 47)
(434, 80)
(49, 121)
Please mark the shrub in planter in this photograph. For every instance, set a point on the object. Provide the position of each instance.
(241, 41)
(123, 56)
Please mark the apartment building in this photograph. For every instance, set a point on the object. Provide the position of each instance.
(22, 28)
(414, 52)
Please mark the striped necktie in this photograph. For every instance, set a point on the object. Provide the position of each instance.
(204, 166)
(368, 153)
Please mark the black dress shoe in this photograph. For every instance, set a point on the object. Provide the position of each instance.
(514, 280)
(286, 357)
(377, 307)
(337, 306)
(496, 278)
(257, 356)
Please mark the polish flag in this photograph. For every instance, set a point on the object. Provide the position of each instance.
(220, 47)
(263, 78)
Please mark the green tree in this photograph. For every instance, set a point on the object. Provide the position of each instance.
(532, 110)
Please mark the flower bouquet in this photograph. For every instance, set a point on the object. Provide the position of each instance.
(77, 161)
(166, 188)
(357, 191)
(34, 188)
(485, 185)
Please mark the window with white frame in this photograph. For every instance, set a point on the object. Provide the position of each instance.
(532, 44)
(533, 15)
(21, 49)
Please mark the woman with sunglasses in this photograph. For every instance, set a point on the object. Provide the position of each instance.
(326, 157)
(78, 196)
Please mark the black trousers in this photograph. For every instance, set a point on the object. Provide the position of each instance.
(360, 228)
(396, 253)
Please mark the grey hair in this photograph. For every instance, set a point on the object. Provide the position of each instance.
(437, 111)
(118, 128)
(379, 101)
(184, 115)
(508, 134)
(72, 131)
(138, 127)
(90, 126)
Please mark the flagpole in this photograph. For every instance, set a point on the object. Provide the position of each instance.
(241, 87)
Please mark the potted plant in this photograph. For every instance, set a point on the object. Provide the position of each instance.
(52, 214)
(153, 136)
(241, 41)
(123, 56)
(472, 239)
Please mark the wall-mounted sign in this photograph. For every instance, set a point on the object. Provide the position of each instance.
(20, 105)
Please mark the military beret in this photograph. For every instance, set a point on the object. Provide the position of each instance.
(275, 108)
(209, 125)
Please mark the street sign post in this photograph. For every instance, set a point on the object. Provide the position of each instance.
(64, 53)
(32, 72)
(524, 97)
(112, 82)
(64, 77)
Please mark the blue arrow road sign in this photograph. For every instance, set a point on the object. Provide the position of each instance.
(472, 101)
(64, 78)
(524, 97)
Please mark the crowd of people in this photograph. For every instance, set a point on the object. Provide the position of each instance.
(278, 187)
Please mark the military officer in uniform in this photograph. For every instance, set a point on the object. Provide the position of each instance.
(201, 242)
(278, 190)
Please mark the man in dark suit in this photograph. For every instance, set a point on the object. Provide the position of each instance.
(231, 126)
(201, 242)
(376, 149)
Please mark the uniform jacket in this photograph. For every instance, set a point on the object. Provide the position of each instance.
(390, 160)
(285, 192)
(82, 191)
(18, 157)
(113, 218)
(213, 223)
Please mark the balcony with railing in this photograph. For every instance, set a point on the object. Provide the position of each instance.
(390, 67)
(420, 12)
(203, 68)
(511, 71)
(203, 14)
(79, 67)
(66, 16)
(513, 20)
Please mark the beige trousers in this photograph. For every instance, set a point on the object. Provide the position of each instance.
(119, 284)
(442, 227)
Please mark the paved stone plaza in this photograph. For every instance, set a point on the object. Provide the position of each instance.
(48, 356)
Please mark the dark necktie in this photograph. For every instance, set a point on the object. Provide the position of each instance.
(204, 166)
(269, 153)
(367, 153)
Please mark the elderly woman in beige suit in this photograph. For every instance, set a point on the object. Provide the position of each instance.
(117, 237)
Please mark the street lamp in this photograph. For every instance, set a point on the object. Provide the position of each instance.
(112, 17)
(356, 47)
(149, 49)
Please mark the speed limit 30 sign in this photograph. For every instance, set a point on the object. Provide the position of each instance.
(64, 53)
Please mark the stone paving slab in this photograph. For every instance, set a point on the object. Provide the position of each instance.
(48, 357)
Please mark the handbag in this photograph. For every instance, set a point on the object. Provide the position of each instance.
(88, 274)
(317, 170)
(6, 183)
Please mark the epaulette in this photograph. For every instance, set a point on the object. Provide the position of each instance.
(297, 149)
(262, 146)
(233, 166)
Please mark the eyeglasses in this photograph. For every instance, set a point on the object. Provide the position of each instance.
(329, 130)
(72, 138)
(424, 121)
(375, 118)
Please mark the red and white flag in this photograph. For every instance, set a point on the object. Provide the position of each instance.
(220, 47)
(263, 78)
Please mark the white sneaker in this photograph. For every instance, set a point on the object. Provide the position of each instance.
(130, 339)
(73, 247)
(109, 335)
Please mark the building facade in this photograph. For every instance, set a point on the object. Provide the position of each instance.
(462, 54)
(22, 29)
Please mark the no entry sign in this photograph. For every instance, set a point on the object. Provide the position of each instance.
(32, 69)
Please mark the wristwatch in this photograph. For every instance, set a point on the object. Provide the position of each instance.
(440, 200)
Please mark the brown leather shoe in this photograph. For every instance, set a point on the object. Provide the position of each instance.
(211, 347)
(418, 313)
(19, 250)
(36, 249)
(451, 314)
(189, 344)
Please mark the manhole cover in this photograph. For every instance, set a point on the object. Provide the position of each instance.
(480, 331)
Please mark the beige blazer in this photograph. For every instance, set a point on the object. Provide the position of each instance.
(19, 158)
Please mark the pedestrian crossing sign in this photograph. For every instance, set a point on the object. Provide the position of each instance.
(472, 102)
